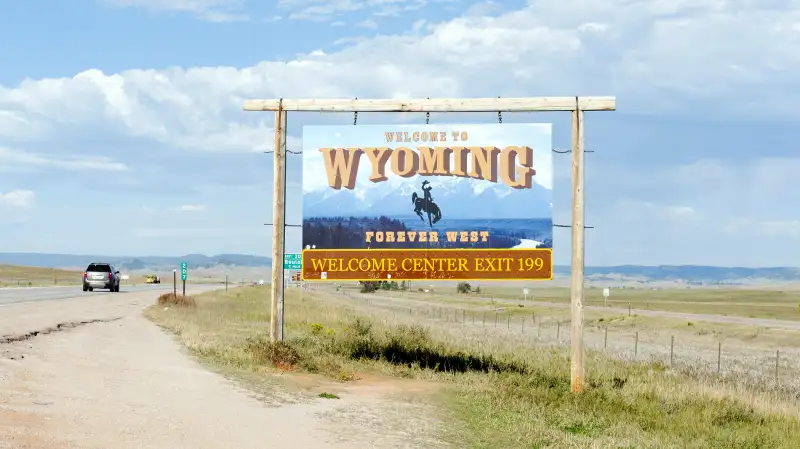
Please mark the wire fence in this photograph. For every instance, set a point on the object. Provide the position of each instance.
(745, 362)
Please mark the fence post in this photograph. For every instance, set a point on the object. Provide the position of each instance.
(508, 321)
(629, 309)
(464, 316)
(636, 346)
(605, 339)
(719, 356)
(671, 350)
(522, 325)
(777, 364)
(558, 331)
(484, 318)
(495, 318)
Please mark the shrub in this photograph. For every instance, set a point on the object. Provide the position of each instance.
(370, 286)
(169, 299)
(278, 353)
(464, 287)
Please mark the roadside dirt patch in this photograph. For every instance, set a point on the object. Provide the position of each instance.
(127, 383)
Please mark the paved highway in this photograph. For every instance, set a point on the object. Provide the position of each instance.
(33, 294)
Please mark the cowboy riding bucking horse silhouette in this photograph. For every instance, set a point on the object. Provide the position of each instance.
(426, 204)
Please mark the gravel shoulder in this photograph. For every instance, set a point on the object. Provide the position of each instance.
(122, 382)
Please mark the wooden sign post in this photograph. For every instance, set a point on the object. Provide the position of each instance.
(577, 105)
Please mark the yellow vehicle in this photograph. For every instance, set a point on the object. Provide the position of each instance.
(152, 279)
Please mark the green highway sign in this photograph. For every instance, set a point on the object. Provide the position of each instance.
(183, 271)
(292, 261)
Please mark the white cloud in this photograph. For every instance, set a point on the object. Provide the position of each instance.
(369, 24)
(636, 210)
(735, 58)
(178, 232)
(322, 10)
(18, 198)
(183, 208)
(14, 160)
(209, 10)
(192, 208)
(548, 48)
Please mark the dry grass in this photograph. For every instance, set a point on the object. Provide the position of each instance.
(21, 276)
(171, 299)
(501, 393)
(748, 303)
(743, 354)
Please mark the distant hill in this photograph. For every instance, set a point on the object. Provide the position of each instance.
(688, 274)
(685, 274)
(193, 261)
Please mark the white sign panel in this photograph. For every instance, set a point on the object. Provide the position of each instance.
(606, 292)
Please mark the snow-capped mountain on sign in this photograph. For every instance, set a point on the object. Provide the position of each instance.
(458, 198)
(492, 180)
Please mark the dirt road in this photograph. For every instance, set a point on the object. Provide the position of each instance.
(92, 372)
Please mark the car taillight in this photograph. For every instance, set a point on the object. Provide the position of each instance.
(110, 276)
(85, 275)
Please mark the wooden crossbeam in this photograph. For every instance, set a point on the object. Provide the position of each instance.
(532, 104)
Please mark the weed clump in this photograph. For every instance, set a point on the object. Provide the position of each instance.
(170, 299)
(280, 354)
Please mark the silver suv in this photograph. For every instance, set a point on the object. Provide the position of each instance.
(101, 275)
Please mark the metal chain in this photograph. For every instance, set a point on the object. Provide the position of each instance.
(500, 116)
(428, 116)
(355, 116)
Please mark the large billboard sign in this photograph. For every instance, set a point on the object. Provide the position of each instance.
(437, 202)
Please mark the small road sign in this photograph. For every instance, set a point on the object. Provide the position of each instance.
(292, 261)
(184, 270)
(606, 292)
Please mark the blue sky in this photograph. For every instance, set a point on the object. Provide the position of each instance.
(121, 129)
